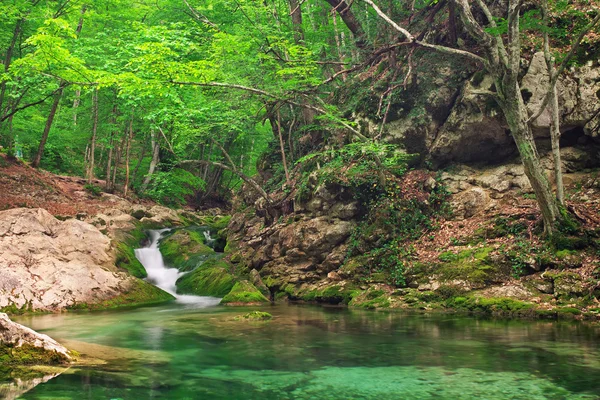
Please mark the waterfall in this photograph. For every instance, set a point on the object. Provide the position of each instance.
(163, 276)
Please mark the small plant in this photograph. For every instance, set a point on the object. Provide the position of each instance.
(92, 189)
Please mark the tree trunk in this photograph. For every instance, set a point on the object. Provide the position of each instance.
(49, 120)
(90, 168)
(353, 24)
(153, 163)
(555, 140)
(129, 139)
(296, 14)
(282, 149)
(516, 116)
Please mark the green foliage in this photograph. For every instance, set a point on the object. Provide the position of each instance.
(172, 187)
(93, 189)
(255, 316)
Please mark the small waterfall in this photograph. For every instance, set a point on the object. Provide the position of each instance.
(209, 240)
(165, 277)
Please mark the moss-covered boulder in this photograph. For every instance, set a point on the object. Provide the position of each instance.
(185, 249)
(254, 316)
(475, 268)
(125, 250)
(333, 294)
(20, 345)
(212, 278)
(244, 293)
(139, 293)
(372, 299)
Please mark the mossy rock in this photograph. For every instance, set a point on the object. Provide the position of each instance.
(335, 294)
(185, 249)
(371, 299)
(254, 316)
(210, 279)
(139, 294)
(126, 258)
(491, 305)
(11, 355)
(473, 266)
(243, 292)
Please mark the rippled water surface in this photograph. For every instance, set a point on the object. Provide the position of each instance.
(305, 352)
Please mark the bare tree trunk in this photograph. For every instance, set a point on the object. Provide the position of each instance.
(109, 163)
(77, 100)
(129, 139)
(47, 127)
(296, 14)
(153, 163)
(90, 167)
(282, 148)
(555, 140)
(353, 24)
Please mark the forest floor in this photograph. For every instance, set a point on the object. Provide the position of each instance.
(24, 186)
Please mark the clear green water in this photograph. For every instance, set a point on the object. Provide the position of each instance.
(309, 352)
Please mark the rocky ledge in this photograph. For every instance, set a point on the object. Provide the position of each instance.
(50, 265)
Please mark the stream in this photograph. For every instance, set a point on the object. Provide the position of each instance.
(193, 348)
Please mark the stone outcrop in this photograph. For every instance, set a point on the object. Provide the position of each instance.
(449, 121)
(21, 339)
(50, 265)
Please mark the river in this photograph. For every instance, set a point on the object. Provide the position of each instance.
(200, 351)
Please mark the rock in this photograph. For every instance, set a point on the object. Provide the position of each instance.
(185, 249)
(334, 276)
(244, 293)
(28, 346)
(49, 265)
(210, 279)
(258, 283)
(139, 212)
(161, 217)
(469, 203)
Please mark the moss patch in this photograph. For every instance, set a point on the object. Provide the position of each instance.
(29, 355)
(244, 292)
(185, 249)
(126, 258)
(140, 293)
(211, 279)
(473, 266)
(492, 305)
(372, 299)
(254, 316)
(335, 294)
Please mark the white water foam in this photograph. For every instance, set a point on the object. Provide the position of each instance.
(165, 277)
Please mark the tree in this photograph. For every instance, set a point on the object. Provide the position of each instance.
(500, 55)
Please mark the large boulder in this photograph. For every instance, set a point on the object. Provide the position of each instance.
(21, 345)
(49, 265)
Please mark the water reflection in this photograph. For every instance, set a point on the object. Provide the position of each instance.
(174, 352)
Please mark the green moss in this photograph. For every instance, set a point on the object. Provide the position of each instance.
(473, 266)
(210, 279)
(29, 355)
(140, 293)
(12, 309)
(371, 299)
(563, 311)
(185, 249)
(255, 316)
(491, 305)
(244, 292)
(126, 258)
(336, 294)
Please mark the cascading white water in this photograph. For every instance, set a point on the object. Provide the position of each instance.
(163, 276)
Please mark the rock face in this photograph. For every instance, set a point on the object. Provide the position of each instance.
(302, 250)
(49, 265)
(17, 337)
(449, 121)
